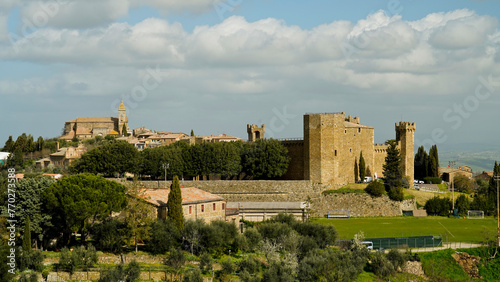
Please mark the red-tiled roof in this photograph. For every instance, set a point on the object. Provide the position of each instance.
(159, 196)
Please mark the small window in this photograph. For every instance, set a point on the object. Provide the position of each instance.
(359, 130)
(213, 205)
(345, 131)
(223, 206)
(202, 208)
(335, 153)
(350, 150)
(190, 209)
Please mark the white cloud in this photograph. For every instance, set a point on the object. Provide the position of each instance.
(176, 6)
(388, 55)
(73, 13)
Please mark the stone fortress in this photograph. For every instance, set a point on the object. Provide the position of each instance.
(89, 127)
(333, 142)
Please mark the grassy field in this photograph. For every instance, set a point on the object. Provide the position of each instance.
(452, 229)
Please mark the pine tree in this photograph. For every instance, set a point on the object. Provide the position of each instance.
(174, 204)
(9, 145)
(27, 236)
(362, 167)
(393, 173)
(356, 171)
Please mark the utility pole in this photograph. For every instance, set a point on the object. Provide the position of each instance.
(452, 164)
(165, 166)
(497, 179)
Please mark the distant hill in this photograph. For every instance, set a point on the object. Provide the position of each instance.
(479, 161)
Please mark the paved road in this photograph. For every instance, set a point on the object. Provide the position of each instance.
(454, 245)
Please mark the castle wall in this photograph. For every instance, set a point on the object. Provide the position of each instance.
(356, 140)
(380, 152)
(296, 153)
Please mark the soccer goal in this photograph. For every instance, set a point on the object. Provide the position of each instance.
(475, 214)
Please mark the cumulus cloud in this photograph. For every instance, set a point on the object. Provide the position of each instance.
(73, 13)
(380, 52)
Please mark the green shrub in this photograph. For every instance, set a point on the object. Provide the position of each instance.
(381, 266)
(441, 266)
(250, 265)
(375, 189)
(433, 180)
(120, 273)
(80, 257)
(397, 258)
(110, 235)
(343, 191)
(193, 275)
(396, 194)
(164, 235)
(438, 206)
(253, 238)
(206, 262)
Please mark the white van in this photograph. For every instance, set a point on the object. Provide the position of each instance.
(368, 244)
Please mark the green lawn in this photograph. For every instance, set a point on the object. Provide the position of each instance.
(456, 229)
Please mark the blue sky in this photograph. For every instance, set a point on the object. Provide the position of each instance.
(214, 66)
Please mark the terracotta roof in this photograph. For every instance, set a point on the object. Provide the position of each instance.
(68, 136)
(159, 196)
(61, 152)
(83, 131)
(93, 119)
(352, 124)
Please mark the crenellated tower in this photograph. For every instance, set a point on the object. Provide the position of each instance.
(405, 133)
(255, 132)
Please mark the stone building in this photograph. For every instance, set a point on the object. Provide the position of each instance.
(196, 203)
(333, 142)
(89, 127)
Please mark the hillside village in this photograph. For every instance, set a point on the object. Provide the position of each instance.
(335, 171)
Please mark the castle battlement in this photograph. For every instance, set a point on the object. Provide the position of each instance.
(405, 125)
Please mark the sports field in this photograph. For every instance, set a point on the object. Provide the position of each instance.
(452, 229)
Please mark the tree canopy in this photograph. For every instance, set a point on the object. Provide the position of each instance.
(75, 200)
(108, 159)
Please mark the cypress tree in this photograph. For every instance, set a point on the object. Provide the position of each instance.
(192, 132)
(368, 171)
(356, 171)
(27, 236)
(174, 204)
(362, 167)
(124, 130)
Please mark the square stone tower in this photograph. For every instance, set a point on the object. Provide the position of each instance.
(405, 133)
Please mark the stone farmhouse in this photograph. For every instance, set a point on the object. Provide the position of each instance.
(331, 145)
(196, 203)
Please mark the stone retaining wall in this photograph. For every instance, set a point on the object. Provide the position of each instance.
(294, 191)
(360, 205)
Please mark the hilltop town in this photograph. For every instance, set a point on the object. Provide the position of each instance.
(225, 183)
